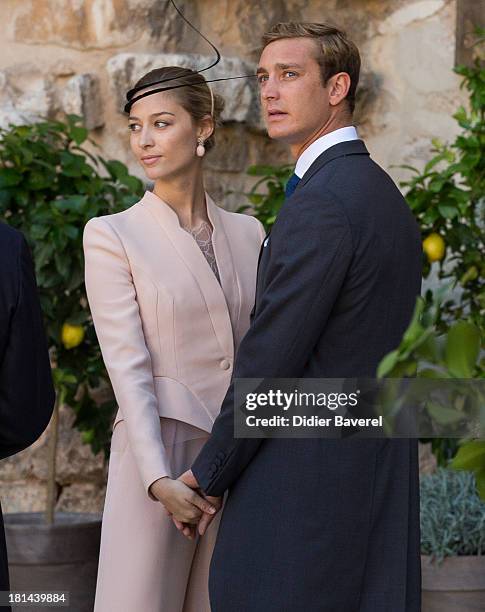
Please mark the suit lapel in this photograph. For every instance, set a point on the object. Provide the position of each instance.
(189, 251)
(342, 149)
(225, 262)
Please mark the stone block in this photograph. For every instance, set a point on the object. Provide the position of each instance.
(406, 15)
(25, 95)
(81, 497)
(82, 96)
(23, 496)
(102, 24)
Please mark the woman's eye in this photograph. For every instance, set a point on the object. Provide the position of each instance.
(161, 123)
(133, 127)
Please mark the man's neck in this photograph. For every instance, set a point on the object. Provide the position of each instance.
(334, 123)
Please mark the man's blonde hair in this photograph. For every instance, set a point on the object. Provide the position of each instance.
(336, 53)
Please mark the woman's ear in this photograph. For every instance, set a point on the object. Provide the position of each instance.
(206, 128)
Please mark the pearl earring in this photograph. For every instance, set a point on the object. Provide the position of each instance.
(200, 151)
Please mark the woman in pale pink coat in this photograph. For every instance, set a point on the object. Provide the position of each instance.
(171, 284)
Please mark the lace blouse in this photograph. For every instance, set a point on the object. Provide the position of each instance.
(203, 236)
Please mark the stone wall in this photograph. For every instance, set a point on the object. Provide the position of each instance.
(79, 56)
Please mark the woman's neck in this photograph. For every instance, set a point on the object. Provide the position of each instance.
(186, 196)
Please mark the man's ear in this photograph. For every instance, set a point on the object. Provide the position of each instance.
(338, 87)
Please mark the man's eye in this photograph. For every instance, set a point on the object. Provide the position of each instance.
(290, 72)
(262, 77)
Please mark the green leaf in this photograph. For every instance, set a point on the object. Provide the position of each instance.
(447, 211)
(79, 134)
(255, 198)
(132, 182)
(415, 328)
(470, 456)
(63, 263)
(428, 349)
(408, 167)
(261, 171)
(430, 373)
(9, 177)
(116, 169)
(470, 275)
(442, 414)
(5, 198)
(88, 436)
(462, 349)
(76, 279)
(73, 202)
(39, 232)
(43, 255)
(436, 185)
(387, 364)
(71, 231)
(78, 318)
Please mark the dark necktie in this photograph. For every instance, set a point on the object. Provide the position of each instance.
(291, 185)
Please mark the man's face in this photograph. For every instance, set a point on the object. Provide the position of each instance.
(294, 101)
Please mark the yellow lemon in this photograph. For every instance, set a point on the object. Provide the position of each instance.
(434, 246)
(72, 335)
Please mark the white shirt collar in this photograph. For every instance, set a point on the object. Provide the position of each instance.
(320, 145)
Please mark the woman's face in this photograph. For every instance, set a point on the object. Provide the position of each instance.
(163, 136)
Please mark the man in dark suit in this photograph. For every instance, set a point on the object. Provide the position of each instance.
(26, 390)
(313, 525)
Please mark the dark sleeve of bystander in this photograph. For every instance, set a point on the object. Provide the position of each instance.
(26, 389)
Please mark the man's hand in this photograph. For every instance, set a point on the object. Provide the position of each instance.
(206, 518)
(189, 479)
(181, 501)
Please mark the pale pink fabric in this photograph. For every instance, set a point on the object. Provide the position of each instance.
(145, 563)
(168, 332)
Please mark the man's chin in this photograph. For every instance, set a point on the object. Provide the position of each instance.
(280, 133)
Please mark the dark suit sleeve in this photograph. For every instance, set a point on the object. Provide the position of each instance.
(311, 249)
(26, 389)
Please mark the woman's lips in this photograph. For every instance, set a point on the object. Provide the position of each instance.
(152, 159)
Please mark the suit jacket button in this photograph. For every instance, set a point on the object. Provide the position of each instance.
(225, 365)
(221, 455)
(214, 467)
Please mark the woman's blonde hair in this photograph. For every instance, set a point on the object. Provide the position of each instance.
(195, 96)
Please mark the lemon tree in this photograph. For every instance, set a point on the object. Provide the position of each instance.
(456, 353)
(448, 200)
(447, 334)
(51, 184)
